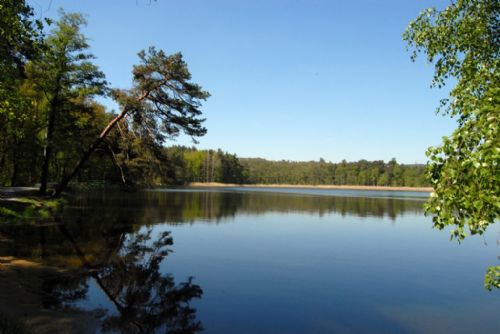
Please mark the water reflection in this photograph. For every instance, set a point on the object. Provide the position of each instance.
(151, 207)
(124, 263)
(60, 289)
(291, 271)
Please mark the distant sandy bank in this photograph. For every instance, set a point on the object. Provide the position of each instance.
(306, 186)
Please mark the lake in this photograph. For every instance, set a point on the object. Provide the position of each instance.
(245, 260)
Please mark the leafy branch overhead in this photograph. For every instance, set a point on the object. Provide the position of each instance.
(463, 43)
(163, 95)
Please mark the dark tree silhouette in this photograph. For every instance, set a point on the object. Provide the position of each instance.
(145, 299)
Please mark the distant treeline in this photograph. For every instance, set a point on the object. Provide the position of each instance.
(217, 166)
(179, 165)
(362, 172)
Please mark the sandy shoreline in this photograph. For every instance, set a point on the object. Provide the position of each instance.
(306, 186)
(21, 292)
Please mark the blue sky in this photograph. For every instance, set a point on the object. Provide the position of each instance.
(290, 79)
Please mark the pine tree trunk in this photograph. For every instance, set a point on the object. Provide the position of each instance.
(64, 183)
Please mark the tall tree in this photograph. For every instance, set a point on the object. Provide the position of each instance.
(66, 76)
(20, 41)
(463, 42)
(162, 102)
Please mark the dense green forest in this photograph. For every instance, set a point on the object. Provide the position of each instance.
(180, 165)
(368, 173)
(191, 165)
(53, 130)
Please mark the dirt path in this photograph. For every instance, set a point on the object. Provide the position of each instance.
(13, 192)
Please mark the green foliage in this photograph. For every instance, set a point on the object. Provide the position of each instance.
(20, 41)
(20, 36)
(492, 278)
(6, 212)
(187, 165)
(140, 159)
(462, 41)
(365, 173)
(162, 104)
(22, 208)
(65, 67)
(49, 113)
(66, 77)
(51, 117)
(465, 172)
(163, 101)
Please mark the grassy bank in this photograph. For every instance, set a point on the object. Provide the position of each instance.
(308, 186)
(24, 203)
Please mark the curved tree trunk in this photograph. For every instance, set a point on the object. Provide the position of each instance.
(86, 155)
(64, 182)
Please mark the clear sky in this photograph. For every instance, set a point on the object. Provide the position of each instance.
(290, 79)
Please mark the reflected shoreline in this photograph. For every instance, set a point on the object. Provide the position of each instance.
(123, 264)
(188, 205)
(105, 237)
(57, 263)
(105, 262)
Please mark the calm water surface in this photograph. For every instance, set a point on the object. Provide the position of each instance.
(262, 261)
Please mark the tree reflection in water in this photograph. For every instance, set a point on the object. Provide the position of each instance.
(146, 300)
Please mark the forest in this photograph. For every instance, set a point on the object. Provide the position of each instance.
(188, 165)
(181, 165)
(54, 129)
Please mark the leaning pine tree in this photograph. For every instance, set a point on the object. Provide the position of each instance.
(162, 100)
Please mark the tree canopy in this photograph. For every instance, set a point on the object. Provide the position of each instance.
(463, 43)
(21, 35)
